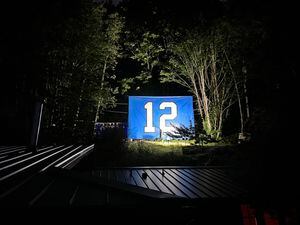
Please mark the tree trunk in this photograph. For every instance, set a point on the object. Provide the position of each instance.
(102, 83)
(198, 98)
(53, 105)
(238, 96)
(220, 124)
(246, 97)
(239, 103)
(227, 110)
(205, 104)
(78, 106)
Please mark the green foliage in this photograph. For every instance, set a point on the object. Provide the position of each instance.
(126, 84)
(147, 50)
(146, 53)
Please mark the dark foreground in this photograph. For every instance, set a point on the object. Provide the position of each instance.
(68, 194)
(47, 184)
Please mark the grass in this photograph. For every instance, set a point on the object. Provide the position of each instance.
(157, 153)
(157, 147)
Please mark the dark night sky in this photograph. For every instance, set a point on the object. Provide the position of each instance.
(22, 28)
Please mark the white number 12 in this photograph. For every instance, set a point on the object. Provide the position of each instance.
(149, 128)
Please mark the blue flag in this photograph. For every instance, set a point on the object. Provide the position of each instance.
(152, 117)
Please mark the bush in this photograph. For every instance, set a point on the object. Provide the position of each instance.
(182, 132)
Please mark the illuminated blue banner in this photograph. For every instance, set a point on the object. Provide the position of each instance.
(153, 117)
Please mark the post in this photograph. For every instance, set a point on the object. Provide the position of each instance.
(36, 123)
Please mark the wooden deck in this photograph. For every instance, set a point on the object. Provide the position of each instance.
(44, 178)
(18, 163)
(186, 182)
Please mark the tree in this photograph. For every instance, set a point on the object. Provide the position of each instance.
(241, 44)
(211, 64)
(199, 63)
(80, 70)
(112, 51)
